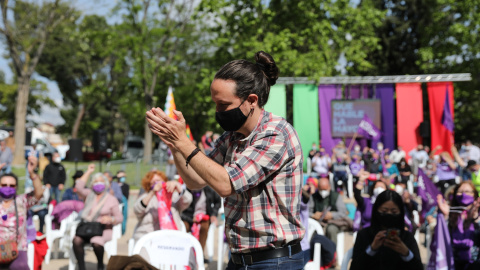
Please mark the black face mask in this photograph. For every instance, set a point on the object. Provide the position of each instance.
(390, 221)
(231, 120)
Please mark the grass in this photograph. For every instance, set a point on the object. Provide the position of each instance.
(134, 171)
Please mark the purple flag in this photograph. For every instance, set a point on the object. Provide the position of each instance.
(447, 120)
(427, 191)
(442, 254)
(367, 129)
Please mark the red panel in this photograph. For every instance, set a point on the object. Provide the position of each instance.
(436, 100)
(409, 115)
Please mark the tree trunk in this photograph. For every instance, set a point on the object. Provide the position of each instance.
(20, 119)
(147, 148)
(78, 121)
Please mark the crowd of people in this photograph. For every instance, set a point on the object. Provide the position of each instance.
(388, 180)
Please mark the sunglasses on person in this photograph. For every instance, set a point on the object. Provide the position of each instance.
(7, 185)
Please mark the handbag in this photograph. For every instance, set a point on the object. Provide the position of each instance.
(9, 249)
(89, 229)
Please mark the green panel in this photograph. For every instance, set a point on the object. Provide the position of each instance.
(305, 116)
(277, 101)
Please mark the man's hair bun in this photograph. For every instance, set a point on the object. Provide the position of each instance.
(267, 65)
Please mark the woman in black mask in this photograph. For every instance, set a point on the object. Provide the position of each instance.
(386, 244)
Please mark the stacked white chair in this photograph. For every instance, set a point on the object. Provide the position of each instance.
(61, 233)
(346, 259)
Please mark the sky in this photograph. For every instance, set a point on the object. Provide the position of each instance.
(52, 115)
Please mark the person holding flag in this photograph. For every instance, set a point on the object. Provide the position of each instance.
(462, 226)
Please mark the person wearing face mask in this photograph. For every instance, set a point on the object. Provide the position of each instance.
(357, 150)
(257, 159)
(410, 206)
(6, 158)
(100, 206)
(321, 162)
(404, 170)
(445, 169)
(114, 188)
(363, 214)
(355, 167)
(146, 207)
(13, 213)
(122, 178)
(397, 154)
(54, 176)
(463, 225)
(327, 207)
(385, 244)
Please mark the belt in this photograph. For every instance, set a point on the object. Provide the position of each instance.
(257, 256)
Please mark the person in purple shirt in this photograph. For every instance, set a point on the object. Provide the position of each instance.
(363, 215)
(463, 225)
(445, 170)
(355, 167)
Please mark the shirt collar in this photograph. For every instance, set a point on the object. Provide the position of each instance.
(263, 119)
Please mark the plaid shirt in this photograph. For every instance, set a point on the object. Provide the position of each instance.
(266, 170)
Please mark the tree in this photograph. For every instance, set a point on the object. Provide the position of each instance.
(26, 33)
(154, 31)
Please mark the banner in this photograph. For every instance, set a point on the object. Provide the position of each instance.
(277, 101)
(368, 129)
(305, 116)
(427, 191)
(347, 114)
(327, 93)
(441, 257)
(437, 93)
(409, 115)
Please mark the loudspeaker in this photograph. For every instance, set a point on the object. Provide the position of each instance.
(99, 140)
(28, 136)
(424, 129)
(75, 151)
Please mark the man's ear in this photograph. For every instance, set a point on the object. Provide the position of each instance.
(252, 99)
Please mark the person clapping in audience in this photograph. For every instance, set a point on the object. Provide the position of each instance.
(147, 208)
(385, 244)
(462, 224)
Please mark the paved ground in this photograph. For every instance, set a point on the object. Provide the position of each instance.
(62, 263)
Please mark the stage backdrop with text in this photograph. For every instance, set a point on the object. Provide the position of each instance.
(347, 114)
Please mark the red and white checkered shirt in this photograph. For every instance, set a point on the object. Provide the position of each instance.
(266, 170)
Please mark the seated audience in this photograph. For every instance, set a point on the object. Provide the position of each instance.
(71, 193)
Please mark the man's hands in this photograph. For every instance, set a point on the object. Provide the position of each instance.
(170, 131)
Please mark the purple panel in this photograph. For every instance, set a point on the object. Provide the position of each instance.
(326, 93)
(385, 93)
(355, 91)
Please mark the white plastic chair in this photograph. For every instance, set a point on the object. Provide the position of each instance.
(350, 183)
(61, 233)
(309, 166)
(346, 259)
(30, 255)
(131, 241)
(168, 247)
(410, 184)
(314, 226)
(210, 241)
(416, 219)
(330, 178)
(340, 246)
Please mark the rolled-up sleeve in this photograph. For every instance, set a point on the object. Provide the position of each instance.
(257, 161)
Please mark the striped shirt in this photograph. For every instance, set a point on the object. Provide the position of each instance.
(266, 171)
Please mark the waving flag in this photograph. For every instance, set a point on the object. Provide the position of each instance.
(367, 129)
(447, 119)
(442, 254)
(427, 191)
(170, 106)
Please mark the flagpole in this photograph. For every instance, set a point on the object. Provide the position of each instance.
(351, 142)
